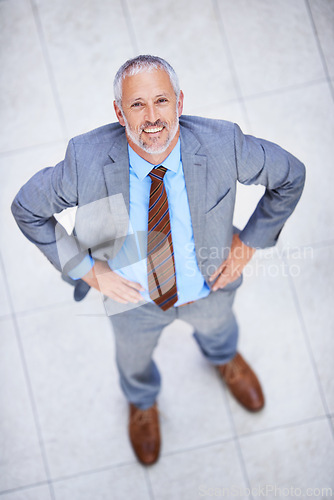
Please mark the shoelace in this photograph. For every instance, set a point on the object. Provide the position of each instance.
(143, 417)
(233, 370)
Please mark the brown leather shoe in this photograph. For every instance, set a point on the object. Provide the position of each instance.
(144, 433)
(243, 383)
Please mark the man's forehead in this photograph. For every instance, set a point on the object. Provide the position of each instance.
(156, 80)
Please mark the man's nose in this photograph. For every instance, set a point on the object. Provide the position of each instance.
(152, 114)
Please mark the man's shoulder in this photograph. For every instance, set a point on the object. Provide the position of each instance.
(104, 134)
(203, 125)
(212, 135)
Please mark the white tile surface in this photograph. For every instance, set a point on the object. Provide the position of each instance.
(302, 121)
(270, 50)
(126, 482)
(82, 412)
(21, 460)
(191, 402)
(69, 350)
(87, 44)
(246, 202)
(4, 300)
(293, 457)
(37, 493)
(194, 48)
(232, 111)
(271, 339)
(198, 473)
(323, 15)
(313, 279)
(28, 111)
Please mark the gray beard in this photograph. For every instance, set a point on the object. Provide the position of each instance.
(152, 149)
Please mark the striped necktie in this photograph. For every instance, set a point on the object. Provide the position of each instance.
(160, 253)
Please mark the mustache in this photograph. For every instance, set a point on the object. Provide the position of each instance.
(158, 123)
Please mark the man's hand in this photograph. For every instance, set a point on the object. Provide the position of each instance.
(230, 270)
(112, 285)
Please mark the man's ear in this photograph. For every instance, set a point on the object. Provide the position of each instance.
(119, 114)
(180, 103)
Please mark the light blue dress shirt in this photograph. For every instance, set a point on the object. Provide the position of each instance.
(190, 282)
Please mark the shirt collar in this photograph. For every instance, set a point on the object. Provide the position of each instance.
(142, 167)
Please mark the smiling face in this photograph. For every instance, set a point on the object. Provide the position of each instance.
(150, 114)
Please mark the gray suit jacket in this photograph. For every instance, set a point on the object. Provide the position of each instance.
(95, 177)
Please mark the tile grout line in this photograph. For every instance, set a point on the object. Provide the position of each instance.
(149, 484)
(131, 31)
(27, 149)
(28, 382)
(28, 486)
(262, 95)
(249, 434)
(231, 63)
(308, 346)
(321, 53)
(285, 90)
(49, 68)
(235, 438)
(287, 425)
(171, 453)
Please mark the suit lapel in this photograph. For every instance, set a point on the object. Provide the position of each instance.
(195, 174)
(117, 179)
(116, 173)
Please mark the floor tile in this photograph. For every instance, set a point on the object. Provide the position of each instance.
(4, 299)
(323, 15)
(83, 414)
(28, 112)
(194, 48)
(86, 44)
(37, 493)
(300, 456)
(271, 339)
(270, 51)
(198, 473)
(126, 482)
(312, 271)
(302, 122)
(33, 282)
(191, 402)
(246, 202)
(21, 461)
(232, 111)
(69, 349)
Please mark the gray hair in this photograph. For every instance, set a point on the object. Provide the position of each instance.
(138, 65)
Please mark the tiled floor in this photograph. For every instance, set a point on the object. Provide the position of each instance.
(269, 66)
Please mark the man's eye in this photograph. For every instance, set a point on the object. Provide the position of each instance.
(162, 99)
(136, 105)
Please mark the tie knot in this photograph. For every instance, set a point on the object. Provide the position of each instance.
(158, 173)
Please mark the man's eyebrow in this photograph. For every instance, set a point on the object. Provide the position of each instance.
(164, 94)
(136, 99)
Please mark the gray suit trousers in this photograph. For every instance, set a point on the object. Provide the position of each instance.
(137, 332)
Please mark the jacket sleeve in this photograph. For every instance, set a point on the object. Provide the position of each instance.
(48, 192)
(262, 162)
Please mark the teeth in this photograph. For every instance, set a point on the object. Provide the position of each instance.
(153, 130)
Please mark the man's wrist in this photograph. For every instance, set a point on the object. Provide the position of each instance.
(240, 249)
(100, 267)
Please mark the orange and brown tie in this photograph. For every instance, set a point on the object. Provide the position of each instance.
(160, 253)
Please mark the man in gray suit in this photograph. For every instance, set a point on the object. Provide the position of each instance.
(158, 175)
